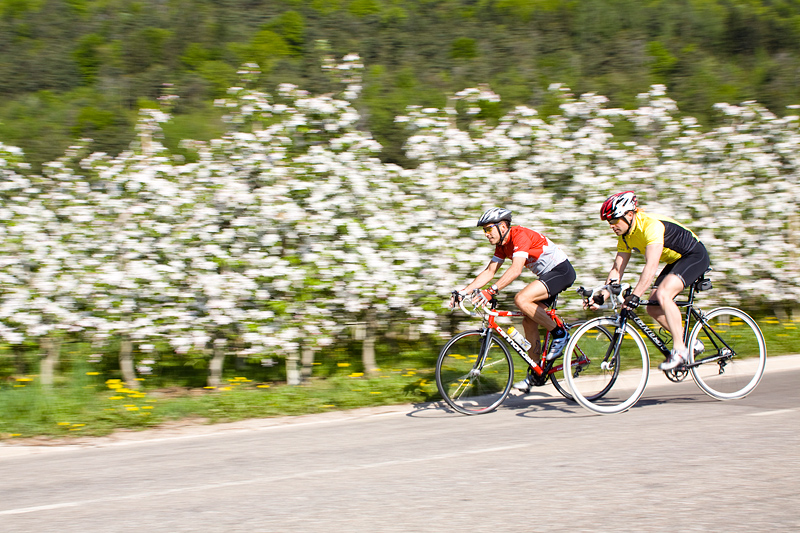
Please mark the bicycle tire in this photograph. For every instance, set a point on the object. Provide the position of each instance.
(467, 389)
(560, 384)
(735, 357)
(629, 365)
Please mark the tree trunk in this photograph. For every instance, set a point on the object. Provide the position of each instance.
(307, 362)
(292, 373)
(368, 348)
(215, 367)
(19, 360)
(52, 350)
(126, 363)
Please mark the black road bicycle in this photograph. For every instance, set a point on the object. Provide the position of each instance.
(726, 360)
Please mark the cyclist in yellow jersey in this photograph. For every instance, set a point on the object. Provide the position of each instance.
(660, 239)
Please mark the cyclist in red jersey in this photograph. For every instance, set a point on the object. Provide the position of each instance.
(526, 249)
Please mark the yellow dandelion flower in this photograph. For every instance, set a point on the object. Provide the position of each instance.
(356, 374)
(78, 425)
(342, 365)
(133, 408)
(225, 388)
(212, 388)
(24, 379)
(375, 392)
(113, 380)
(262, 386)
(93, 373)
(116, 397)
(64, 423)
(147, 407)
(15, 435)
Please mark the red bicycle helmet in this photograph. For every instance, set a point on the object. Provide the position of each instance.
(617, 205)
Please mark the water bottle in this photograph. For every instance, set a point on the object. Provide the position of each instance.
(519, 338)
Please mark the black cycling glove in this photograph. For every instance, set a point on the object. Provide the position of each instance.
(632, 301)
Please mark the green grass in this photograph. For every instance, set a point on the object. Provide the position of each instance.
(90, 400)
(85, 404)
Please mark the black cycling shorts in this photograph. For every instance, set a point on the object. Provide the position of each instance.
(556, 280)
(689, 267)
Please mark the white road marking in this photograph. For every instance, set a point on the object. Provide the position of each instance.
(768, 413)
(212, 486)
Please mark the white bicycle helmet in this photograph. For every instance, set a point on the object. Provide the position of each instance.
(618, 204)
(494, 215)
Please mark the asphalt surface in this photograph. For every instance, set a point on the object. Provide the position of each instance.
(677, 461)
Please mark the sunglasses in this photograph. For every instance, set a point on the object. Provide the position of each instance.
(613, 221)
(488, 229)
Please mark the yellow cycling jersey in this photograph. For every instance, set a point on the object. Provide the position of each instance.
(649, 228)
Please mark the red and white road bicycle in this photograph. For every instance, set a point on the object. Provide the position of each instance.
(475, 370)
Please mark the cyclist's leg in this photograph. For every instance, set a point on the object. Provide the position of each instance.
(668, 314)
(535, 313)
(532, 334)
(556, 280)
(673, 279)
(528, 301)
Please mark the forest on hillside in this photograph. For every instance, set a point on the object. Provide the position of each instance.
(74, 69)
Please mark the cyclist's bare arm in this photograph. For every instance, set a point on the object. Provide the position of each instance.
(652, 255)
(614, 276)
(484, 277)
(513, 272)
(618, 269)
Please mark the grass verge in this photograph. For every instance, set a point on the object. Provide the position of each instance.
(84, 405)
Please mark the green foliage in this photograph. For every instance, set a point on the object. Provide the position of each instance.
(88, 57)
(364, 8)
(13, 9)
(292, 27)
(700, 49)
(662, 63)
(464, 48)
(265, 48)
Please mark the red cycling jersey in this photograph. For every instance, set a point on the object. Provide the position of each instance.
(540, 252)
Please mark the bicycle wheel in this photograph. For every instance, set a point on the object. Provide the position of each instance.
(602, 379)
(471, 381)
(734, 354)
(593, 344)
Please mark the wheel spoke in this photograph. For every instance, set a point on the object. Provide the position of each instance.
(471, 382)
(733, 357)
(606, 381)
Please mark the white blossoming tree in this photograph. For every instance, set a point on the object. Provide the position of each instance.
(288, 229)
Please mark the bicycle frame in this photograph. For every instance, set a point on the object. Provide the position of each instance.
(492, 327)
(691, 313)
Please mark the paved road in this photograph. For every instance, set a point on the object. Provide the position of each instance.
(678, 461)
